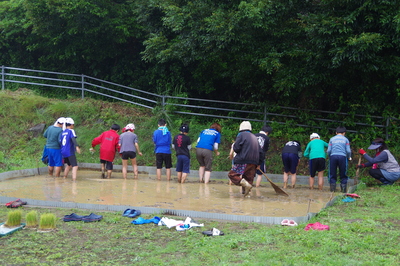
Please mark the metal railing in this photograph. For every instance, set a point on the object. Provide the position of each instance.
(86, 86)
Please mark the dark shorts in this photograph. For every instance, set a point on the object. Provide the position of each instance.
(204, 157)
(71, 161)
(183, 164)
(290, 162)
(163, 158)
(262, 167)
(128, 155)
(55, 157)
(108, 164)
(316, 165)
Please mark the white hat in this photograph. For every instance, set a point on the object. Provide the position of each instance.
(314, 136)
(60, 120)
(130, 127)
(69, 120)
(245, 125)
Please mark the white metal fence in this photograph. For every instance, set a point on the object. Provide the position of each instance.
(86, 86)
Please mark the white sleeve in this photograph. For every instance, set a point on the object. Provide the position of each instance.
(215, 146)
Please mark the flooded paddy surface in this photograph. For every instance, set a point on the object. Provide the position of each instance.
(147, 191)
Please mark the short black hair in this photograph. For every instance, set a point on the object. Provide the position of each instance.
(266, 129)
(340, 129)
(184, 128)
(115, 127)
(161, 122)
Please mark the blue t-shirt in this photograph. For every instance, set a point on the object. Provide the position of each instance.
(207, 139)
(162, 142)
(66, 143)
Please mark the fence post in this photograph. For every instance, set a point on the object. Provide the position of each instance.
(83, 86)
(265, 115)
(163, 103)
(387, 128)
(2, 77)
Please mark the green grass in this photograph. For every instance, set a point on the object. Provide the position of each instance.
(364, 232)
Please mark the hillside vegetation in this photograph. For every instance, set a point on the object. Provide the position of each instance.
(22, 109)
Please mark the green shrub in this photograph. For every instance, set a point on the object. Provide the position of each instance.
(32, 219)
(47, 221)
(14, 218)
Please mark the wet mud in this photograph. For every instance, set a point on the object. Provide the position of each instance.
(147, 191)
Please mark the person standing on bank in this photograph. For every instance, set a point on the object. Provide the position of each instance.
(52, 135)
(162, 141)
(108, 141)
(263, 141)
(339, 152)
(182, 145)
(315, 151)
(248, 158)
(207, 143)
(291, 154)
(385, 168)
(129, 149)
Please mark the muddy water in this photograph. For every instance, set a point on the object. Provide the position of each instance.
(147, 191)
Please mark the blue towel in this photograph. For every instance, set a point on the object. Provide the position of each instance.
(141, 220)
(164, 130)
(348, 199)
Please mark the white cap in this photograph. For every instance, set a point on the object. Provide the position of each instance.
(130, 127)
(314, 136)
(69, 120)
(61, 120)
(245, 125)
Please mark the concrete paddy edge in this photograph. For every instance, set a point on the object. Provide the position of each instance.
(158, 211)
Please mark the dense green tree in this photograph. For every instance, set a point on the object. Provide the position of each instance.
(326, 54)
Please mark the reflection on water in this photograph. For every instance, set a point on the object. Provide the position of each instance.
(147, 191)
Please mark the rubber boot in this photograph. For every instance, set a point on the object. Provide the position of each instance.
(343, 188)
(285, 185)
(247, 187)
(333, 187)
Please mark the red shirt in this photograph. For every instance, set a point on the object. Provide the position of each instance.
(108, 141)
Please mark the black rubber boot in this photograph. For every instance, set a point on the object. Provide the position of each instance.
(343, 188)
(333, 187)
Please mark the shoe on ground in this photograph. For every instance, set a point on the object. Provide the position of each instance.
(292, 223)
(285, 222)
(134, 213)
(15, 204)
(72, 217)
(213, 232)
(92, 218)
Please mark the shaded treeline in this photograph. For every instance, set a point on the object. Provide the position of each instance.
(339, 55)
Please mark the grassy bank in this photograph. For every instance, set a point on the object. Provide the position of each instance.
(22, 109)
(364, 232)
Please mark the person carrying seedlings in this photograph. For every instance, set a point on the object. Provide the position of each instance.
(182, 145)
(207, 143)
(162, 141)
(129, 148)
(385, 167)
(52, 135)
(69, 145)
(339, 152)
(315, 152)
(108, 141)
(248, 158)
(263, 141)
(291, 154)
